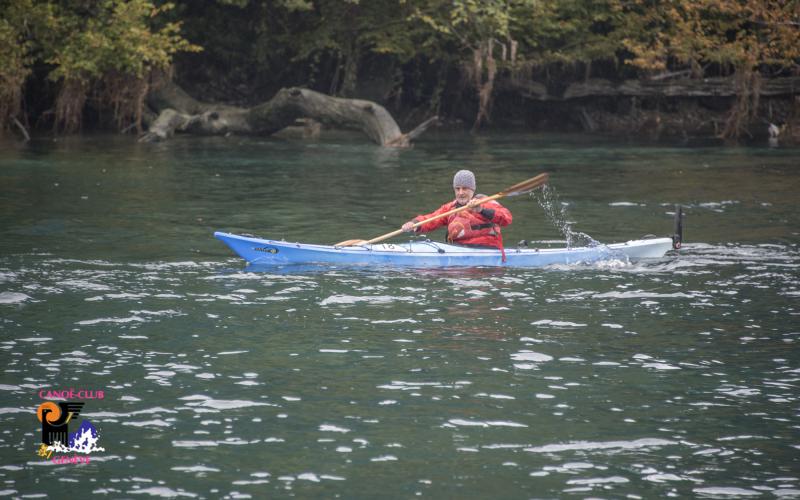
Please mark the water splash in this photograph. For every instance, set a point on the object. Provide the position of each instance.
(556, 213)
(84, 440)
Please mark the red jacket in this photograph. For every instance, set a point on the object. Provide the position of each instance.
(468, 227)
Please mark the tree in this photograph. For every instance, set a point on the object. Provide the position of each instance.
(479, 28)
(110, 47)
(15, 61)
(743, 37)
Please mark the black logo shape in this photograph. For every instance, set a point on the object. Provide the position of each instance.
(55, 420)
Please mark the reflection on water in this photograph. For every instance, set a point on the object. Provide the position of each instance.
(673, 377)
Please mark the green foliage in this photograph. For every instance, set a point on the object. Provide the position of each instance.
(83, 43)
(740, 34)
(15, 60)
(568, 31)
(117, 37)
(117, 44)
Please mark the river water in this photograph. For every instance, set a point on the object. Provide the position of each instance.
(675, 377)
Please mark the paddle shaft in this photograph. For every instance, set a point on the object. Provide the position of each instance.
(520, 188)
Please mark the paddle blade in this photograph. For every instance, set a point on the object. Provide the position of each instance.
(526, 186)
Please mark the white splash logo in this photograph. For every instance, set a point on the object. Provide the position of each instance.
(55, 419)
(84, 440)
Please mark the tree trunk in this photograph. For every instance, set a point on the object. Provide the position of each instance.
(179, 112)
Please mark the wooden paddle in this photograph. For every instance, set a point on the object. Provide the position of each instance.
(520, 188)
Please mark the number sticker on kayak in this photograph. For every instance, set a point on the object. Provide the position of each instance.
(266, 249)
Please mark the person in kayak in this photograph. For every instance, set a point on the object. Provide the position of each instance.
(479, 226)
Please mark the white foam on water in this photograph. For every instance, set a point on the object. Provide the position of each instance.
(503, 446)
(484, 423)
(161, 266)
(333, 428)
(370, 299)
(124, 295)
(493, 396)
(161, 491)
(599, 480)
(194, 468)
(129, 319)
(9, 411)
(200, 400)
(601, 445)
(663, 478)
(639, 294)
(535, 357)
(7, 276)
(571, 466)
(717, 204)
(557, 324)
(149, 423)
(726, 492)
(164, 312)
(660, 366)
(739, 391)
(83, 285)
(744, 436)
(13, 298)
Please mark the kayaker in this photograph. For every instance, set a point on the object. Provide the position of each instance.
(478, 227)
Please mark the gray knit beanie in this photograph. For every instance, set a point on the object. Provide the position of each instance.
(464, 178)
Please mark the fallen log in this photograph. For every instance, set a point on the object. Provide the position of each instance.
(179, 112)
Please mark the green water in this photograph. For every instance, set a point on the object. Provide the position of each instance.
(675, 377)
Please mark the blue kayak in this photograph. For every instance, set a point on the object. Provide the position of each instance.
(432, 254)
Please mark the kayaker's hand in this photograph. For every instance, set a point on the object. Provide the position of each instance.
(408, 226)
(474, 205)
